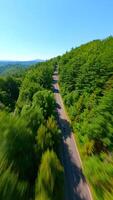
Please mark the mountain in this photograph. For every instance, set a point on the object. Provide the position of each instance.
(7, 65)
(8, 62)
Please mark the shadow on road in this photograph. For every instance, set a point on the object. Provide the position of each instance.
(55, 81)
(75, 182)
(55, 90)
(58, 106)
(73, 174)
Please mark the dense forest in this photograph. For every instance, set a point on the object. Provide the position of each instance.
(86, 82)
(30, 166)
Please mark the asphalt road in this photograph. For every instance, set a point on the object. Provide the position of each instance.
(76, 187)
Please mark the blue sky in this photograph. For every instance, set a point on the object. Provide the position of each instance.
(31, 29)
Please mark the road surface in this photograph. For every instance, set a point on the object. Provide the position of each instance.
(76, 187)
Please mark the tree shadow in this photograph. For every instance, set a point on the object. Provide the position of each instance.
(58, 106)
(55, 81)
(55, 90)
(73, 173)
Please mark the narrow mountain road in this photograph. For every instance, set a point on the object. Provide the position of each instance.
(76, 187)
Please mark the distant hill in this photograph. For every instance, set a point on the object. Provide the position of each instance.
(7, 65)
(7, 62)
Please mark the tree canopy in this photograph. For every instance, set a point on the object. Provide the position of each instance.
(28, 128)
(86, 81)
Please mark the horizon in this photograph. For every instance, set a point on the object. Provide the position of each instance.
(43, 30)
(21, 60)
(41, 59)
(34, 59)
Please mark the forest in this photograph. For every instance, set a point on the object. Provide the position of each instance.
(86, 82)
(30, 138)
(30, 166)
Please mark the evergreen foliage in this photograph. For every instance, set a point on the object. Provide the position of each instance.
(86, 80)
(28, 132)
(50, 175)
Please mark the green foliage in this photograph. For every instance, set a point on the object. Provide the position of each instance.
(9, 91)
(85, 65)
(99, 127)
(11, 187)
(17, 152)
(50, 175)
(15, 71)
(48, 136)
(37, 79)
(15, 143)
(26, 94)
(45, 100)
(86, 80)
(22, 140)
(100, 173)
(33, 117)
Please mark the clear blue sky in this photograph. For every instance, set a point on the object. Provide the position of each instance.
(31, 29)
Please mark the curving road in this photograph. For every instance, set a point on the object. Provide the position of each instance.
(76, 187)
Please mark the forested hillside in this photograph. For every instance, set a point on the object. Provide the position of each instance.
(7, 66)
(86, 82)
(30, 166)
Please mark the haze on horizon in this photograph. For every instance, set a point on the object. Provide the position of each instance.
(42, 29)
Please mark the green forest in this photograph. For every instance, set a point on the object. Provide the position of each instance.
(30, 138)
(30, 166)
(86, 82)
